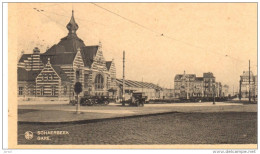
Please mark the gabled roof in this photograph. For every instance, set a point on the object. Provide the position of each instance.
(61, 73)
(58, 59)
(88, 54)
(108, 64)
(24, 56)
(24, 75)
(55, 49)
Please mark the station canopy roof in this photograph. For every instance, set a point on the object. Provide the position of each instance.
(138, 84)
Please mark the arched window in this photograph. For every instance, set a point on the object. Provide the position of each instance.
(99, 82)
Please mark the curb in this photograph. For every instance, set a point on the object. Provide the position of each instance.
(95, 120)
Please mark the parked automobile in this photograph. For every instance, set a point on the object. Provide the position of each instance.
(137, 99)
(94, 100)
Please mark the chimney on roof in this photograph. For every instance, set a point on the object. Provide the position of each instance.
(49, 61)
(36, 50)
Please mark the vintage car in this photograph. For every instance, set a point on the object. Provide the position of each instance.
(94, 100)
(91, 100)
(138, 99)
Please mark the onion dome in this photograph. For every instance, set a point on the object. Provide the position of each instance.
(72, 26)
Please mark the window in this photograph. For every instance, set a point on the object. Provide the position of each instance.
(53, 90)
(86, 80)
(42, 91)
(20, 90)
(31, 90)
(65, 90)
(99, 82)
(77, 75)
(107, 83)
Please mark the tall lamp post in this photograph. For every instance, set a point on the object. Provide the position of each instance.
(214, 86)
(123, 87)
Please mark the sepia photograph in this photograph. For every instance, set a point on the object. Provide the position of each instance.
(132, 75)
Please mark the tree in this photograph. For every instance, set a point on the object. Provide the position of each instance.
(78, 90)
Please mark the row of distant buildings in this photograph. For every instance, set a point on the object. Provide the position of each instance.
(189, 85)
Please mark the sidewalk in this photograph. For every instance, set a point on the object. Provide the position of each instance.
(63, 113)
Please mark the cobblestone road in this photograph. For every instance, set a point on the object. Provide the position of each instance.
(175, 128)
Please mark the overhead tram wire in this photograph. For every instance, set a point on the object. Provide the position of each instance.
(151, 30)
(81, 19)
(129, 20)
(62, 26)
(41, 12)
(162, 34)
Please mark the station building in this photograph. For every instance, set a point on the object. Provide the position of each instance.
(54, 72)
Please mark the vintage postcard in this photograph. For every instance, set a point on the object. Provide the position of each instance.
(132, 76)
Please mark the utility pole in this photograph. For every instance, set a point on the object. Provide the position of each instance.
(123, 89)
(214, 86)
(240, 95)
(249, 84)
(233, 91)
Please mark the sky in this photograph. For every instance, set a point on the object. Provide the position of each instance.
(160, 39)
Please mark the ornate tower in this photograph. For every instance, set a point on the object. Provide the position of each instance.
(72, 26)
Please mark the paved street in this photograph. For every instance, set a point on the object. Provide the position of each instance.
(174, 128)
(66, 112)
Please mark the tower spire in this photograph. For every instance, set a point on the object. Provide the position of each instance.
(72, 26)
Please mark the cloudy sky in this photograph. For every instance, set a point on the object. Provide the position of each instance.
(160, 40)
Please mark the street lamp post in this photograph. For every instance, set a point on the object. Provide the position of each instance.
(214, 94)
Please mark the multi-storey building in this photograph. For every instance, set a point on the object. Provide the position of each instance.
(245, 87)
(53, 73)
(225, 91)
(218, 89)
(198, 87)
(188, 85)
(184, 85)
(209, 84)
